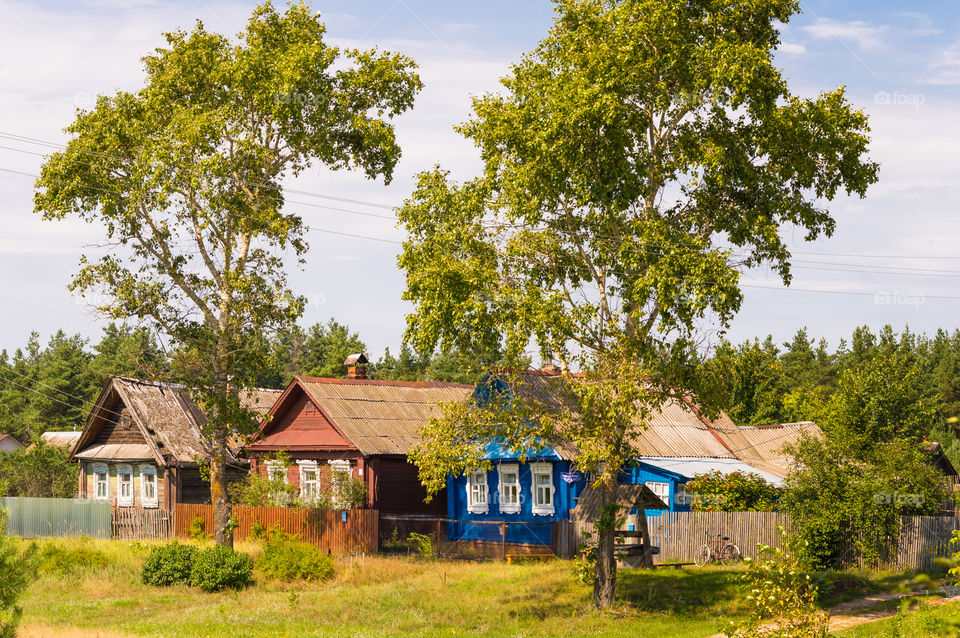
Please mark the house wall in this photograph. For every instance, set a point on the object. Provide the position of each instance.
(642, 473)
(89, 488)
(530, 528)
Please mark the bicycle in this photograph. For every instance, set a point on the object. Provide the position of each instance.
(725, 553)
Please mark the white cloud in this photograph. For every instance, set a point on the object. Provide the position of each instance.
(864, 35)
(792, 48)
(946, 69)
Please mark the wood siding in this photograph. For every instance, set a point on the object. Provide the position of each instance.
(324, 528)
(397, 489)
(293, 427)
(119, 428)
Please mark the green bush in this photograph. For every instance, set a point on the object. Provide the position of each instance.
(219, 567)
(17, 571)
(288, 559)
(54, 558)
(198, 529)
(169, 564)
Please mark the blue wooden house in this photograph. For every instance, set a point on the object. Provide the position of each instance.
(528, 496)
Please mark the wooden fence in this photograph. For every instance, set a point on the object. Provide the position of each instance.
(337, 531)
(135, 523)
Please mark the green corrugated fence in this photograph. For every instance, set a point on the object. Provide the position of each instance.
(36, 517)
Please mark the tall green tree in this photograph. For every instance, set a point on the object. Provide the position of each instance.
(185, 177)
(635, 136)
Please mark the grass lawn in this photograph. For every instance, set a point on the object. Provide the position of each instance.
(100, 594)
(941, 620)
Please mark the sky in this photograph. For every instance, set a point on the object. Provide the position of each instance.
(894, 257)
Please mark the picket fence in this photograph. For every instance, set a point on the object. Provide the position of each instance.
(336, 531)
(137, 523)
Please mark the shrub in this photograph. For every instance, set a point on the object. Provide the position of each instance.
(781, 597)
(219, 567)
(17, 570)
(55, 558)
(198, 529)
(422, 544)
(169, 564)
(734, 492)
(288, 559)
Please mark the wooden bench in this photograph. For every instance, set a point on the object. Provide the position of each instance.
(674, 565)
(511, 557)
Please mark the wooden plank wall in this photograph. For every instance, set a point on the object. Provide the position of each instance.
(679, 534)
(136, 523)
(324, 528)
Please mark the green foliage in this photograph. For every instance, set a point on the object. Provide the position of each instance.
(590, 231)
(287, 558)
(734, 492)
(219, 567)
(44, 471)
(424, 545)
(197, 529)
(55, 558)
(781, 597)
(848, 501)
(261, 490)
(188, 179)
(17, 571)
(169, 564)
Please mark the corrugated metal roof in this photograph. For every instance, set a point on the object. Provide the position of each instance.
(117, 452)
(259, 400)
(61, 439)
(381, 417)
(690, 467)
(764, 444)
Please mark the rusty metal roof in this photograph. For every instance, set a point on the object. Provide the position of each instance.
(380, 417)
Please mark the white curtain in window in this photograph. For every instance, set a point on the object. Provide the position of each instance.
(477, 492)
(543, 489)
(509, 488)
(125, 486)
(149, 486)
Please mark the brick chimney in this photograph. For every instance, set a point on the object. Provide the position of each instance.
(356, 366)
(551, 368)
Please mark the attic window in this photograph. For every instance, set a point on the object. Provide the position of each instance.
(311, 409)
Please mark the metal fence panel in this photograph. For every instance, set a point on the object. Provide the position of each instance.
(39, 517)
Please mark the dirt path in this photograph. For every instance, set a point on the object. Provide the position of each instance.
(848, 614)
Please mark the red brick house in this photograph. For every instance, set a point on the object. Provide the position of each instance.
(357, 425)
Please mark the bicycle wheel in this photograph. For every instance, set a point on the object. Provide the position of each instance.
(701, 556)
(730, 554)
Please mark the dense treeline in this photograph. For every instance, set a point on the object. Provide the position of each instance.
(766, 383)
(52, 386)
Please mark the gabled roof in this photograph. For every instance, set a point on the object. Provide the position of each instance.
(11, 439)
(164, 414)
(681, 430)
(377, 417)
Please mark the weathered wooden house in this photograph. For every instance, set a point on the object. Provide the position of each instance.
(141, 445)
(361, 427)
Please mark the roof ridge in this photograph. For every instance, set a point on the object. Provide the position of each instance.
(384, 382)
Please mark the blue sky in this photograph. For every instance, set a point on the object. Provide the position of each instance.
(894, 258)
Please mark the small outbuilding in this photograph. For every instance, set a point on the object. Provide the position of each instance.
(9, 443)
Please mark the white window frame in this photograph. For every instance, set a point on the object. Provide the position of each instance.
(339, 466)
(539, 508)
(145, 499)
(274, 469)
(101, 469)
(478, 500)
(682, 496)
(660, 486)
(509, 505)
(124, 501)
(309, 489)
